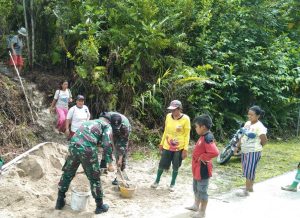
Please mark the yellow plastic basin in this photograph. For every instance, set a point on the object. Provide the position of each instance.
(127, 192)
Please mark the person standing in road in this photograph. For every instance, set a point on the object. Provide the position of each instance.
(252, 147)
(174, 143)
(204, 151)
(293, 187)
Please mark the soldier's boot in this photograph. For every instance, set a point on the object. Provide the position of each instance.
(115, 182)
(60, 202)
(101, 208)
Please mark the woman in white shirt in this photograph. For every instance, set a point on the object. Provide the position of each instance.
(60, 104)
(252, 147)
(76, 116)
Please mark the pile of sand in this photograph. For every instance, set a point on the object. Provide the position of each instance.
(29, 189)
(31, 183)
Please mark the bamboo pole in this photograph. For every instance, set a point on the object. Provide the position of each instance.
(32, 34)
(298, 123)
(26, 26)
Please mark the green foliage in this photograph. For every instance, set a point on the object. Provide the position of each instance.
(87, 52)
(5, 10)
(216, 56)
(145, 137)
(170, 84)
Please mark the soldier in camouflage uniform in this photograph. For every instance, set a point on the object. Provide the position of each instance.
(121, 131)
(83, 150)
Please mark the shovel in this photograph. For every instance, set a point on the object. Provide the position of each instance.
(125, 176)
(122, 178)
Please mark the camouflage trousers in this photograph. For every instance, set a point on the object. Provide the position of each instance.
(88, 157)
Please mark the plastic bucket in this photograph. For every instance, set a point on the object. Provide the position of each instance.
(79, 199)
(127, 192)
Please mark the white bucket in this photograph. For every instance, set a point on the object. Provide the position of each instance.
(79, 200)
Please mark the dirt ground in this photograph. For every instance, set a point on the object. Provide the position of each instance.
(29, 189)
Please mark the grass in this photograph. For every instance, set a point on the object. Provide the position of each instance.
(144, 153)
(278, 158)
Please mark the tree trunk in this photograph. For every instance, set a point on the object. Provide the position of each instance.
(26, 26)
(32, 34)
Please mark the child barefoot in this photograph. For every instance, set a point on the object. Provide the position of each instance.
(205, 149)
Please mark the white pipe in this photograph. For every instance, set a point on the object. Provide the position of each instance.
(21, 156)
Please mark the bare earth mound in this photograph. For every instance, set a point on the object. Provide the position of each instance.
(29, 189)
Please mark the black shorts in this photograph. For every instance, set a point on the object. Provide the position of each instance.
(168, 157)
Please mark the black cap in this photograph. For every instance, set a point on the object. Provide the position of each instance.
(116, 121)
(80, 97)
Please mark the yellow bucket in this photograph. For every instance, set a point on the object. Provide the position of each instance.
(127, 192)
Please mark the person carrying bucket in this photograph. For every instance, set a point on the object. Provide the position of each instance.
(121, 130)
(83, 150)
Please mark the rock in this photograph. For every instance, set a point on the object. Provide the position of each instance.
(32, 168)
(21, 173)
(55, 162)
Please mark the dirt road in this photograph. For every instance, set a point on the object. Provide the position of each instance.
(29, 189)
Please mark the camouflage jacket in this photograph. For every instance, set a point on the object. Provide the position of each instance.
(120, 137)
(93, 133)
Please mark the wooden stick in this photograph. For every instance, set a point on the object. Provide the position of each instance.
(22, 86)
(122, 178)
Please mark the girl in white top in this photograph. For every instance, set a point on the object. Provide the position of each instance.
(77, 115)
(252, 147)
(60, 104)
